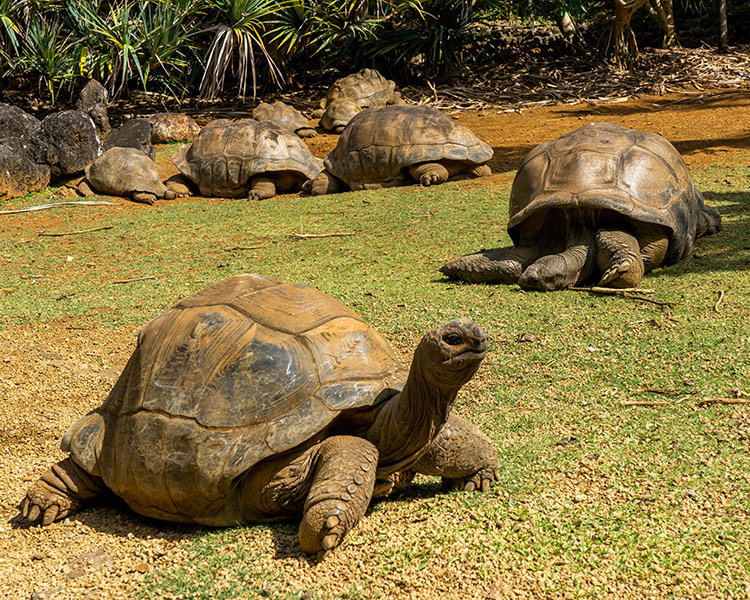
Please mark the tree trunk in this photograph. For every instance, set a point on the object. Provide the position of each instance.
(662, 11)
(619, 44)
(721, 12)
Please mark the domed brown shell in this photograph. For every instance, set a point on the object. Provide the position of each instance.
(243, 370)
(226, 154)
(368, 87)
(281, 114)
(379, 144)
(637, 175)
(122, 171)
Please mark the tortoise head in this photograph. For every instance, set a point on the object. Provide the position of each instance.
(449, 355)
(339, 113)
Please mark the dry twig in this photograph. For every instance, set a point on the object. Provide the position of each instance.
(305, 236)
(643, 403)
(135, 279)
(706, 401)
(255, 247)
(721, 297)
(56, 204)
(44, 233)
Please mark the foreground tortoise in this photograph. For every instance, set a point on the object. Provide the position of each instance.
(398, 145)
(123, 171)
(602, 200)
(284, 115)
(234, 159)
(349, 95)
(255, 400)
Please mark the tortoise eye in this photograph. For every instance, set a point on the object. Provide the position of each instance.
(453, 338)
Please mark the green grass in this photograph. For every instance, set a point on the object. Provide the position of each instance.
(595, 498)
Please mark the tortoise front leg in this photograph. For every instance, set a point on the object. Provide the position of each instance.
(261, 187)
(430, 173)
(64, 488)
(501, 265)
(462, 455)
(341, 490)
(573, 265)
(624, 258)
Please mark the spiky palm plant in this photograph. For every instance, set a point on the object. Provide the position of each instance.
(238, 38)
(46, 50)
(9, 30)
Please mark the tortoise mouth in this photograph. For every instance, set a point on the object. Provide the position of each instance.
(464, 359)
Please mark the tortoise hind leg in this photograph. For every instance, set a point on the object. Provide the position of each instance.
(709, 221)
(62, 489)
(340, 492)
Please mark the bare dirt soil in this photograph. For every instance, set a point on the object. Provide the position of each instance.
(52, 373)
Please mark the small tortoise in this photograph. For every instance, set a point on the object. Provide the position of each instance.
(349, 95)
(398, 145)
(235, 159)
(601, 199)
(123, 171)
(285, 116)
(255, 400)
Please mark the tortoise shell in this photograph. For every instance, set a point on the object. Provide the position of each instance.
(367, 87)
(604, 167)
(122, 171)
(281, 114)
(380, 144)
(246, 369)
(226, 154)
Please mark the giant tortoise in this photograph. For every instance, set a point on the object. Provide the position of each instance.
(602, 200)
(245, 158)
(255, 400)
(401, 145)
(349, 95)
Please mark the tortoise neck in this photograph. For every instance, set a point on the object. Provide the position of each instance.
(406, 425)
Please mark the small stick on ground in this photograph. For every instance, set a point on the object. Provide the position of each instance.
(643, 403)
(305, 236)
(233, 248)
(56, 204)
(650, 300)
(721, 297)
(706, 401)
(135, 279)
(44, 233)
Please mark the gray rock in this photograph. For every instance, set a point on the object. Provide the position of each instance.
(133, 133)
(93, 100)
(72, 136)
(20, 173)
(15, 122)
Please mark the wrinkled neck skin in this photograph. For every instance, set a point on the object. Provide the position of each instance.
(406, 425)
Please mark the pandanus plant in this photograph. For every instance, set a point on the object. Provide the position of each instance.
(237, 45)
